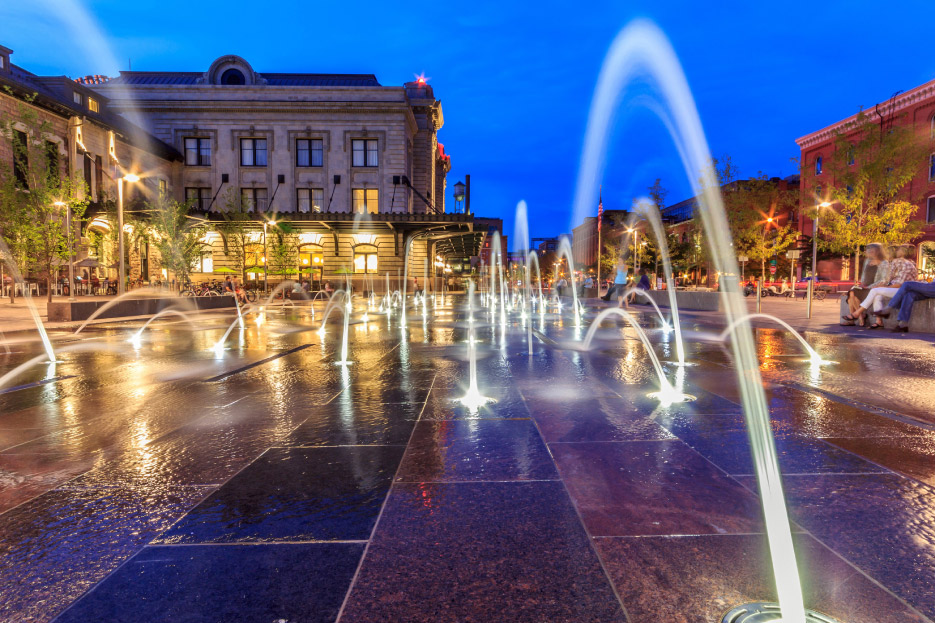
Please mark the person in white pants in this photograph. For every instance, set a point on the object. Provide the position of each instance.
(902, 269)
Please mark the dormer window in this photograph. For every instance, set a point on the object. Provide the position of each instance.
(77, 97)
(93, 106)
(233, 76)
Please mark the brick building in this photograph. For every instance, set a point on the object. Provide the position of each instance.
(584, 238)
(915, 108)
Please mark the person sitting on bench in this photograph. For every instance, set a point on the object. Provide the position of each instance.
(904, 299)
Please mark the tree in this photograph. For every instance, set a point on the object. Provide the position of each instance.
(873, 162)
(34, 196)
(238, 231)
(283, 249)
(178, 237)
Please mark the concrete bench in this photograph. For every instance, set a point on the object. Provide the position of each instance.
(922, 319)
(698, 300)
(66, 311)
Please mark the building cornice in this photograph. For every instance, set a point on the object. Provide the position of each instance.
(901, 102)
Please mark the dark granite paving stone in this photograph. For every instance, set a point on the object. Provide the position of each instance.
(346, 422)
(396, 391)
(56, 546)
(24, 476)
(204, 583)
(295, 494)
(593, 419)
(797, 455)
(913, 456)
(481, 552)
(697, 579)
(476, 450)
(883, 523)
(443, 404)
(653, 487)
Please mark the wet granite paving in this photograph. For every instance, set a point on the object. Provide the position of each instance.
(166, 483)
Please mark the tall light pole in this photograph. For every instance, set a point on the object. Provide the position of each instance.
(811, 281)
(122, 270)
(71, 258)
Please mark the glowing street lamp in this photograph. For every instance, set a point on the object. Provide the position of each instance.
(811, 282)
(122, 270)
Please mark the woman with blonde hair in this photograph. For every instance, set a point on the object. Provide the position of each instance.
(875, 274)
(902, 269)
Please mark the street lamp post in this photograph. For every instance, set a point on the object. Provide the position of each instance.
(811, 281)
(269, 222)
(122, 270)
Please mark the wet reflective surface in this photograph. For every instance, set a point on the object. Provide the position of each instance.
(169, 482)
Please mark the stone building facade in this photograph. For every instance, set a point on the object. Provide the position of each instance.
(353, 167)
(349, 170)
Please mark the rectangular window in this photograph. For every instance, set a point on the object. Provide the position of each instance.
(366, 201)
(309, 199)
(253, 152)
(198, 198)
(99, 177)
(930, 216)
(253, 199)
(366, 262)
(850, 156)
(77, 97)
(87, 174)
(163, 187)
(364, 152)
(52, 156)
(198, 152)
(932, 168)
(21, 159)
(93, 106)
(309, 152)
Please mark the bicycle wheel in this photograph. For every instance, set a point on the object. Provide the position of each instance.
(251, 296)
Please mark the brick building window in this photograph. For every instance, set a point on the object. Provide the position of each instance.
(253, 152)
(364, 152)
(198, 152)
(198, 198)
(253, 199)
(932, 168)
(21, 159)
(818, 165)
(309, 152)
(309, 199)
(99, 177)
(930, 212)
(366, 201)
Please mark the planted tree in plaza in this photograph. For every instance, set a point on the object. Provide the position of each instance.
(238, 231)
(867, 180)
(283, 250)
(35, 194)
(753, 209)
(179, 238)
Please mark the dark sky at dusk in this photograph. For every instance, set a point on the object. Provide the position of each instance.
(516, 79)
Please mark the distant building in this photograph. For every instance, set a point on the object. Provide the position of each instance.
(585, 239)
(915, 108)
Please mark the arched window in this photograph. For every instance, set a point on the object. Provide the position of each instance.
(365, 259)
(311, 256)
(818, 165)
(233, 76)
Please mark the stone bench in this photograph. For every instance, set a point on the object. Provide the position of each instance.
(922, 319)
(67, 311)
(698, 300)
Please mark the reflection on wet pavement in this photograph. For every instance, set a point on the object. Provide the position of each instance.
(265, 483)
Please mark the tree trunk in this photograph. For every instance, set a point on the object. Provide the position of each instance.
(49, 286)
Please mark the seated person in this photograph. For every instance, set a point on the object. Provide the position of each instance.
(904, 299)
(902, 269)
(874, 275)
(329, 289)
(642, 284)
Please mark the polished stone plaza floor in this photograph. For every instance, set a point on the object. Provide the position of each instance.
(168, 483)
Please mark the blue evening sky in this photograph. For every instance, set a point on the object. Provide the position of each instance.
(515, 79)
